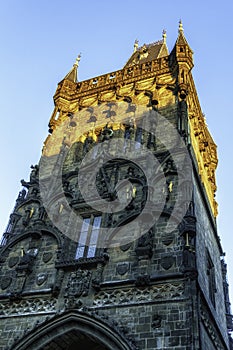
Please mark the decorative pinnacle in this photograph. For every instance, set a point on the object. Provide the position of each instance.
(164, 36)
(135, 45)
(76, 64)
(181, 29)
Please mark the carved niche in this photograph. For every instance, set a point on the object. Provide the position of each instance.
(18, 264)
(145, 245)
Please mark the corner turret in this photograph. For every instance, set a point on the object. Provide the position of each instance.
(63, 95)
(183, 56)
(183, 51)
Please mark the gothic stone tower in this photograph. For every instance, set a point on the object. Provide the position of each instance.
(112, 243)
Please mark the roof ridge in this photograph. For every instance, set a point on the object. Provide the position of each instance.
(158, 42)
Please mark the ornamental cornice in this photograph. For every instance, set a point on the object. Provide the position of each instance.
(111, 81)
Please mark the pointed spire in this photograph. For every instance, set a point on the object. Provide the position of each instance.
(182, 50)
(181, 29)
(73, 73)
(164, 36)
(181, 40)
(135, 45)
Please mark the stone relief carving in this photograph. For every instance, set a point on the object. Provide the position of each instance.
(167, 262)
(47, 257)
(168, 239)
(13, 260)
(77, 286)
(5, 282)
(126, 247)
(122, 268)
(28, 306)
(41, 278)
(136, 295)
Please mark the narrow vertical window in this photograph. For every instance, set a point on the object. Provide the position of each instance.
(127, 134)
(211, 278)
(138, 138)
(88, 237)
(83, 238)
(94, 237)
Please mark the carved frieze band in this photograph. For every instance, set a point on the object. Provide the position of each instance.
(28, 307)
(136, 295)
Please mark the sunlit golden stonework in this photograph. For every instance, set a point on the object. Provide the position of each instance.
(112, 242)
(151, 76)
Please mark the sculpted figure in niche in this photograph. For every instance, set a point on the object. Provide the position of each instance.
(21, 196)
(34, 173)
(106, 133)
(78, 151)
(146, 239)
(145, 245)
(88, 143)
(27, 259)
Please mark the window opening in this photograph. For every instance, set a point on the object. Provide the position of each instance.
(88, 238)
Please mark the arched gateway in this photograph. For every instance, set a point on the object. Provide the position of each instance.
(73, 330)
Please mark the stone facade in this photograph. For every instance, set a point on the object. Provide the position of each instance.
(76, 272)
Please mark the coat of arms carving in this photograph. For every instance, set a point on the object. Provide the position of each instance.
(5, 282)
(47, 257)
(41, 278)
(13, 260)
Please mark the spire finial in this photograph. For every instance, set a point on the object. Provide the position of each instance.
(76, 64)
(135, 45)
(164, 36)
(73, 73)
(181, 29)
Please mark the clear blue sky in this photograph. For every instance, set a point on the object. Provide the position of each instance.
(40, 41)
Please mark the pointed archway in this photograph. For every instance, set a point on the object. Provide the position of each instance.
(73, 340)
(74, 330)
